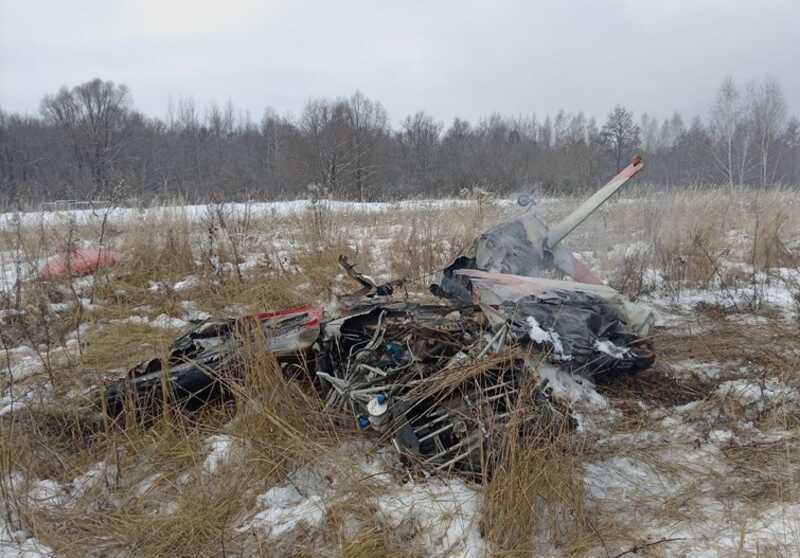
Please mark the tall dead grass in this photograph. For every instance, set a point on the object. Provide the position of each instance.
(183, 509)
(158, 499)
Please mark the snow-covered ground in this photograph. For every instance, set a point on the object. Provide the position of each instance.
(196, 213)
(669, 477)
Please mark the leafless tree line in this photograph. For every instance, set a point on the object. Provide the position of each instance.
(88, 140)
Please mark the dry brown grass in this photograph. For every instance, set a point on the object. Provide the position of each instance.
(277, 423)
(772, 346)
(122, 345)
(534, 498)
(535, 501)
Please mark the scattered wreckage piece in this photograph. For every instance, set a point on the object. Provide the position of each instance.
(494, 288)
(525, 245)
(435, 380)
(368, 285)
(440, 381)
(587, 329)
(81, 261)
(203, 362)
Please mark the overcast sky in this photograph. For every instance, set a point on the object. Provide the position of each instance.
(458, 58)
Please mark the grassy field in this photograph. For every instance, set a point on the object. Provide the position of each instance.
(698, 456)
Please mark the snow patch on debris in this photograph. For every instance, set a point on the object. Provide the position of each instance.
(573, 389)
(539, 335)
(581, 396)
(608, 347)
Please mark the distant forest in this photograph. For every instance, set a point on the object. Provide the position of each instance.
(88, 142)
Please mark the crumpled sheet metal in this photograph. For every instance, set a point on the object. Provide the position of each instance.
(436, 382)
(517, 247)
(439, 381)
(525, 245)
(493, 289)
(203, 361)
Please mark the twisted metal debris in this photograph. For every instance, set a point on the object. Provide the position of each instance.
(440, 381)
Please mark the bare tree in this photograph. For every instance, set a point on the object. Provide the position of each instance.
(88, 137)
(94, 115)
(419, 141)
(726, 121)
(324, 128)
(620, 134)
(368, 123)
(769, 122)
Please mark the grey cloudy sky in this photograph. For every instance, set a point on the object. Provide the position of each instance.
(450, 58)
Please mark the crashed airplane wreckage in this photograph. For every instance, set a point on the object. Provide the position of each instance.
(435, 379)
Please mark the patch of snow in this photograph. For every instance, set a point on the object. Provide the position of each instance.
(777, 527)
(6, 313)
(192, 311)
(540, 336)
(200, 212)
(100, 474)
(143, 487)
(14, 266)
(721, 436)
(616, 478)
(139, 320)
(24, 396)
(155, 286)
(221, 449)
(284, 508)
(237, 309)
(251, 261)
(165, 321)
(58, 307)
(18, 543)
(608, 347)
(760, 394)
(581, 395)
(710, 370)
(447, 510)
(22, 362)
(48, 493)
(189, 282)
